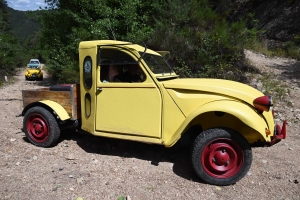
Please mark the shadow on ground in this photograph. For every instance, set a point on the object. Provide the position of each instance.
(179, 156)
(291, 71)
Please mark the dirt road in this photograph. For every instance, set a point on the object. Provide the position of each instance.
(100, 168)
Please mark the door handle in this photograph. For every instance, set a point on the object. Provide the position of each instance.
(99, 89)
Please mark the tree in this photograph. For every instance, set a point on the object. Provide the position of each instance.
(9, 46)
(69, 22)
(202, 43)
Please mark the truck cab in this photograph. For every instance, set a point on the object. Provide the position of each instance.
(224, 119)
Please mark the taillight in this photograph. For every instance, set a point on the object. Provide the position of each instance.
(263, 103)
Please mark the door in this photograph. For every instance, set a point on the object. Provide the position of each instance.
(128, 108)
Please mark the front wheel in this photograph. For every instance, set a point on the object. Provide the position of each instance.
(221, 156)
(40, 127)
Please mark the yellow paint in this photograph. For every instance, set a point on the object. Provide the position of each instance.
(132, 110)
(240, 111)
(88, 122)
(57, 108)
(160, 109)
(30, 71)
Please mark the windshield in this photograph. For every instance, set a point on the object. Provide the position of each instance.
(157, 64)
(33, 66)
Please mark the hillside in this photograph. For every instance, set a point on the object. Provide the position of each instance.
(278, 19)
(23, 26)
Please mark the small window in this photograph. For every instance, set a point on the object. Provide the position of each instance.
(88, 103)
(87, 72)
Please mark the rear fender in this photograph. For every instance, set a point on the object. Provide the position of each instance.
(57, 108)
(239, 110)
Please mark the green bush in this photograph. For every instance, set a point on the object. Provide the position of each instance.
(202, 43)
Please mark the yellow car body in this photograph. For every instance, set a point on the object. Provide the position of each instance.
(224, 119)
(163, 107)
(33, 70)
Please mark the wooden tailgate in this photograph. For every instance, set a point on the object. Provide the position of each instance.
(69, 100)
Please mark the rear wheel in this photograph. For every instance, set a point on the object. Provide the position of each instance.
(40, 127)
(221, 156)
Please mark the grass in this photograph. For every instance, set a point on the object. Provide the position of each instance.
(287, 50)
(275, 88)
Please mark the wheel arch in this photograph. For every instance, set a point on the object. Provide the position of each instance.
(58, 111)
(235, 115)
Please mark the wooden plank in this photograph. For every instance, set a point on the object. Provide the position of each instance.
(69, 100)
(44, 94)
(64, 98)
(76, 102)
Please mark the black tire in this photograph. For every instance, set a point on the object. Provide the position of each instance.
(40, 127)
(221, 156)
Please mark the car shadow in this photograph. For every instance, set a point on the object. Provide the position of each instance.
(156, 154)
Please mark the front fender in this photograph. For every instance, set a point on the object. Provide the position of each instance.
(240, 110)
(57, 108)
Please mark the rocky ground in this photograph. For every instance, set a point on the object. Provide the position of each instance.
(82, 166)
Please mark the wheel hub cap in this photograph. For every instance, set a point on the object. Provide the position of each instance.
(222, 158)
(37, 128)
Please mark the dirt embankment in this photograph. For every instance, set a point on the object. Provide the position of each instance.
(100, 168)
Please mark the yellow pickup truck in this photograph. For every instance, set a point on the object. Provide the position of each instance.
(224, 119)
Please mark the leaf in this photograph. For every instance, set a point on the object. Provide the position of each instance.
(218, 188)
(121, 198)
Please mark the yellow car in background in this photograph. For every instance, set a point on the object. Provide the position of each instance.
(33, 70)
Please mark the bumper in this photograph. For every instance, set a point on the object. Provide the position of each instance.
(280, 133)
(34, 76)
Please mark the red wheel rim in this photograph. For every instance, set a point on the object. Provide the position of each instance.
(222, 158)
(37, 127)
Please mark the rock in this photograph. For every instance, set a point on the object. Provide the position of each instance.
(80, 180)
(70, 157)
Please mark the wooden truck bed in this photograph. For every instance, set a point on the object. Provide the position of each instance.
(67, 95)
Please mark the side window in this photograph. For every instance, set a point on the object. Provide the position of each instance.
(87, 72)
(118, 66)
(132, 73)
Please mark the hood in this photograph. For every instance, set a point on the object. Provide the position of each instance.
(226, 88)
(33, 70)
